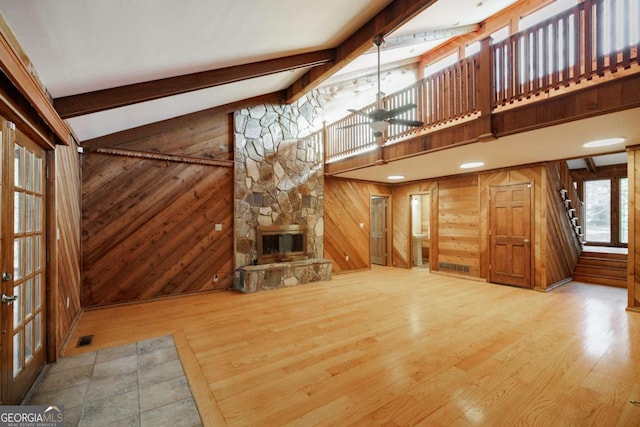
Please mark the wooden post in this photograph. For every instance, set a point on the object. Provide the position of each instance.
(485, 91)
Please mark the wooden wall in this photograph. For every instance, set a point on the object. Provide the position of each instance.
(633, 282)
(69, 280)
(563, 247)
(347, 205)
(148, 224)
(458, 225)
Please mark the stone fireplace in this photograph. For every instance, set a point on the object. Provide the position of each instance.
(279, 182)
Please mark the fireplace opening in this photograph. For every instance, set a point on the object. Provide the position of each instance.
(280, 243)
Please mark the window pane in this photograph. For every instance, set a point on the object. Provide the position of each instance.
(17, 259)
(597, 199)
(28, 300)
(28, 342)
(38, 332)
(17, 353)
(624, 210)
(17, 306)
(18, 209)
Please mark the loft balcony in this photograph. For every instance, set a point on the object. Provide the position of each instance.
(580, 63)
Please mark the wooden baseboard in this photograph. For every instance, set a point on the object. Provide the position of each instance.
(65, 341)
(553, 285)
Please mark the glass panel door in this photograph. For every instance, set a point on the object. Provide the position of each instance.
(23, 263)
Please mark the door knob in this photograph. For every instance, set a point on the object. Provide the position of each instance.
(6, 276)
(9, 299)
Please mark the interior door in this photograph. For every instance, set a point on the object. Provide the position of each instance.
(510, 231)
(378, 231)
(22, 315)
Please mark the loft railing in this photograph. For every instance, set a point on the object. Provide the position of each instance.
(589, 40)
(592, 38)
(443, 97)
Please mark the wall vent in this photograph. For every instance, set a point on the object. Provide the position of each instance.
(84, 340)
(459, 268)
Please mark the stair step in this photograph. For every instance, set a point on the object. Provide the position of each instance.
(603, 262)
(599, 280)
(598, 270)
(607, 255)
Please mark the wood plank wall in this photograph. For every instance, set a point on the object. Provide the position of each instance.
(563, 246)
(633, 282)
(347, 204)
(148, 228)
(458, 224)
(149, 224)
(68, 305)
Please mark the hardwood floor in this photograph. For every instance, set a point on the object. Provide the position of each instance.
(397, 347)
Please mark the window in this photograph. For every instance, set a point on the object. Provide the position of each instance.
(441, 64)
(545, 12)
(606, 209)
(472, 49)
(597, 200)
(624, 210)
(499, 35)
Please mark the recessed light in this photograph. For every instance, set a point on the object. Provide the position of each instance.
(395, 177)
(603, 142)
(471, 165)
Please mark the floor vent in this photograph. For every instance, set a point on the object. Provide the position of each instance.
(454, 267)
(84, 341)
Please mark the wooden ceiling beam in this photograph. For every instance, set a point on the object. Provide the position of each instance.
(390, 18)
(591, 165)
(100, 100)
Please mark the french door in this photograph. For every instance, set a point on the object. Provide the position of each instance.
(22, 273)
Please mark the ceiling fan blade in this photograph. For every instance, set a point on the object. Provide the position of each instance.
(358, 112)
(405, 122)
(353, 125)
(400, 110)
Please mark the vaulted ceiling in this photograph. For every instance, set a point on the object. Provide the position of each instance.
(115, 65)
(119, 64)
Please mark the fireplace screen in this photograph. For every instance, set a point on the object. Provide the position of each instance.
(278, 243)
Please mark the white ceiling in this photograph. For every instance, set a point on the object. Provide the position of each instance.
(78, 46)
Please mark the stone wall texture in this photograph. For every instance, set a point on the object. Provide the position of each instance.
(279, 173)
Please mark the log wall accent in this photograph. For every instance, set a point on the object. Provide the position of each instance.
(347, 204)
(69, 280)
(148, 228)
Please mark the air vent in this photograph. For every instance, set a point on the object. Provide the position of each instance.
(459, 268)
(84, 341)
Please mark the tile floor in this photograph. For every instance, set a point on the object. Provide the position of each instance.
(139, 384)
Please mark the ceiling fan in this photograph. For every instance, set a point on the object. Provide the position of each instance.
(381, 118)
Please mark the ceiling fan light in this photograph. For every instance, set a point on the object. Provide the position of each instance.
(379, 126)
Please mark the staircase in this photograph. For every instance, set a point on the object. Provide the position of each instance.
(602, 268)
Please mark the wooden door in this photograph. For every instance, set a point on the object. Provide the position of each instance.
(22, 314)
(378, 230)
(510, 232)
